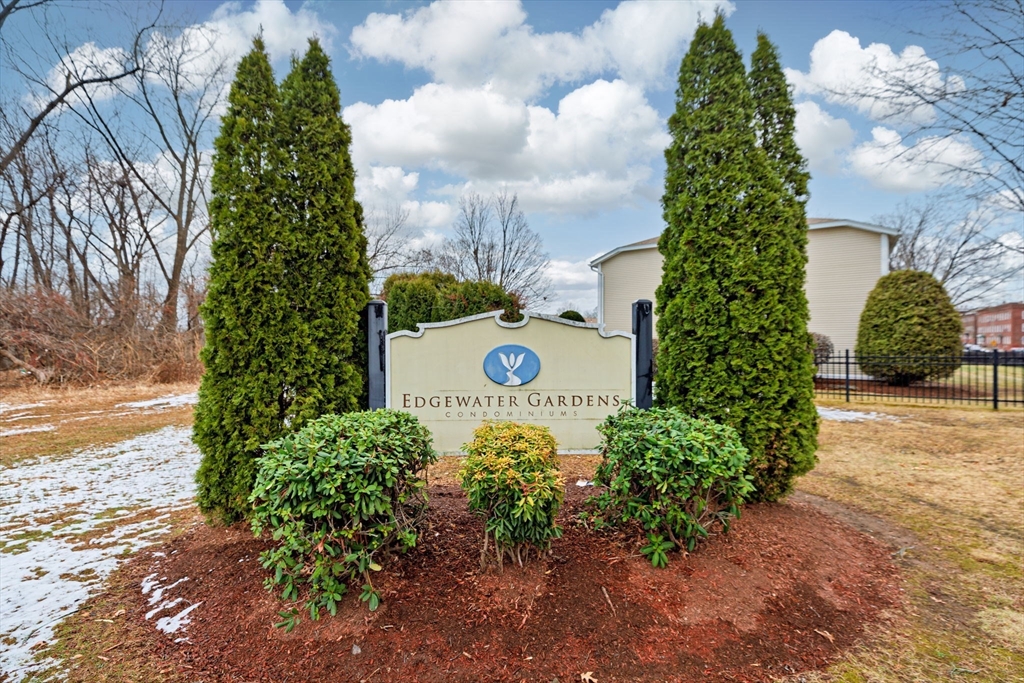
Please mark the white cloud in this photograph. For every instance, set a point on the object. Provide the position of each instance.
(821, 137)
(441, 126)
(489, 44)
(85, 62)
(594, 151)
(889, 163)
(847, 74)
(205, 53)
(573, 285)
(284, 32)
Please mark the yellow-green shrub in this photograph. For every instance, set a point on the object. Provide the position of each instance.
(511, 478)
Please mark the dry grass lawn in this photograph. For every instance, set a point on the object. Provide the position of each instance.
(82, 417)
(945, 486)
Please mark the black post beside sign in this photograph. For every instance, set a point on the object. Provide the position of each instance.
(643, 328)
(376, 332)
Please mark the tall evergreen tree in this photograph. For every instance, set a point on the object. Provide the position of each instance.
(327, 274)
(776, 308)
(775, 118)
(732, 321)
(242, 394)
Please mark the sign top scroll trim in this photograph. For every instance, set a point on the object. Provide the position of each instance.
(496, 315)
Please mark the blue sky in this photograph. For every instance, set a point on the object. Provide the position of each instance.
(565, 103)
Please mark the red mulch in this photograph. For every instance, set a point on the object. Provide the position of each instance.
(788, 589)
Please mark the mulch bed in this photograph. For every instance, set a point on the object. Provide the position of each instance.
(787, 590)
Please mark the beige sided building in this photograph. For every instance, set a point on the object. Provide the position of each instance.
(844, 261)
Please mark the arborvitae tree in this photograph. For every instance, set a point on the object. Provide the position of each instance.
(706, 180)
(243, 395)
(783, 435)
(775, 119)
(732, 326)
(327, 275)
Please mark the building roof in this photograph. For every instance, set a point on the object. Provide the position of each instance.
(812, 224)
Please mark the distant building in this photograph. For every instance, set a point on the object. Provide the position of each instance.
(844, 261)
(996, 327)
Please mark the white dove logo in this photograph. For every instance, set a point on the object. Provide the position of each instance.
(511, 362)
(511, 365)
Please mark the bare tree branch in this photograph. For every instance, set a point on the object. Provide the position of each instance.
(959, 246)
(976, 99)
(493, 242)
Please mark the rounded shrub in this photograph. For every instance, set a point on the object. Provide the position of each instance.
(572, 315)
(679, 477)
(337, 495)
(511, 477)
(907, 322)
(822, 348)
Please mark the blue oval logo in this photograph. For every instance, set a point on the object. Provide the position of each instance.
(511, 365)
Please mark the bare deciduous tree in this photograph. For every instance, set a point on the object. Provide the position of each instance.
(176, 93)
(977, 98)
(959, 246)
(387, 240)
(81, 72)
(493, 242)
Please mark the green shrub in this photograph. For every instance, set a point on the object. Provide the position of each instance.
(414, 298)
(337, 495)
(572, 315)
(908, 314)
(511, 478)
(822, 348)
(472, 298)
(433, 297)
(676, 475)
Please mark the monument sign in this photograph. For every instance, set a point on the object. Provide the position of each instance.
(543, 370)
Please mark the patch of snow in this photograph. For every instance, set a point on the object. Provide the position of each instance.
(27, 430)
(148, 583)
(838, 415)
(159, 592)
(7, 407)
(166, 604)
(163, 402)
(23, 416)
(62, 513)
(172, 624)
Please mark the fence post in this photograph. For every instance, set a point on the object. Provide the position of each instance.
(847, 375)
(376, 336)
(995, 379)
(643, 329)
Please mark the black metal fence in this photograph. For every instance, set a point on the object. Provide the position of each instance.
(986, 378)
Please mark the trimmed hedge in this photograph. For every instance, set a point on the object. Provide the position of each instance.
(572, 315)
(677, 476)
(432, 297)
(908, 314)
(512, 480)
(337, 495)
